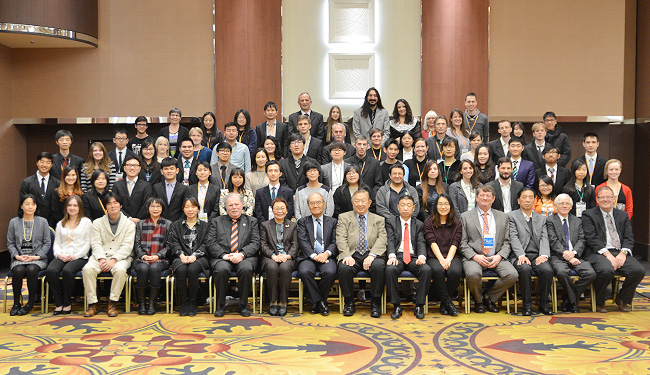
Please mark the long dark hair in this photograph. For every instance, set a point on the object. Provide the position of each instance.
(365, 108)
(489, 167)
(548, 181)
(570, 187)
(247, 128)
(425, 182)
(408, 118)
(236, 172)
(212, 133)
(254, 163)
(278, 153)
(451, 217)
(474, 179)
(154, 166)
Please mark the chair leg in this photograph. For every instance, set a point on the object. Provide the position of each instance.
(340, 301)
(554, 295)
(254, 297)
(300, 295)
(261, 293)
(515, 297)
(4, 308)
(466, 294)
(210, 295)
(508, 303)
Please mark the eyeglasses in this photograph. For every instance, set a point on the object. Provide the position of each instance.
(132, 165)
(314, 204)
(121, 138)
(606, 197)
(443, 204)
(296, 142)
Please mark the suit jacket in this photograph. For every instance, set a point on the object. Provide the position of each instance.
(113, 156)
(434, 153)
(531, 153)
(192, 178)
(595, 229)
(526, 173)
(315, 148)
(219, 237)
(134, 205)
(347, 234)
(556, 238)
(472, 241)
(307, 236)
(178, 246)
(520, 235)
(370, 172)
(57, 162)
(269, 241)
(599, 169)
(325, 156)
(515, 188)
(459, 198)
(216, 175)
(291, 176)
(562, 177)
(316, 121)
(394, 236)
(31, 185)
(263, 202)
(173, 210)
(496, 150)
(211, 204)
(361, 124)
(281, 133)
(326, 172)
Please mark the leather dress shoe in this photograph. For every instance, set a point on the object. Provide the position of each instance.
(546, 310)
(566, 306)
(244, 311)
(479, 308)
(397, 312)
(490, 306)
(349, 309)
(14, 310)
(112, 309)
(444, 310)
(273, 310)
(219, 312)
(419, 312)
(527, 311)
(282, 310)
(191, 310)
(451, 308)
(25, 309)
(315, 309)
(375, 310)
(60, 312)
(622, 306)
(601, 309)
(575, 308)
(92, 310)
(324, 309)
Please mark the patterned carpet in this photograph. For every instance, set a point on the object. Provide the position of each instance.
(586, 343)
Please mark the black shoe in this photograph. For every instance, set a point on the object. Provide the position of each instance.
(14, 310)
(479, 308)
(185, 310)
(546, 310)
(324, 309)
(191, 309)
(315, 309)
(219, 312)
(575, 309)
(419, 312)
(443, 308)
(490, 306)
(153, 299)
(349, 309)
(273, 310)
(244, 311)
(453, 311)
(66, 312)
(566, 306)
(375, 310)
(527, 311)
(397, 312)
(57, 312)
(282, 310)
(140, 293)
(26, 309)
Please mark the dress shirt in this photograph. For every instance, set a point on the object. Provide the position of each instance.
(505, 194)
(169, 189)
(407, 155)
(202, 192)
(130, 184)
(307, 142)
(548, 171)
(40, 179)
(470, 194)
(365, 216)
(337, 175)
(609, 245)
(270, 132)
(539, 147)
(401, 245)
(277, 189)
(517, 161)
(241, 157)
(492, 227)
(504, 144)
(562, 218)
(322, 225)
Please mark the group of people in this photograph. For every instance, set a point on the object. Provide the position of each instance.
(438, 200)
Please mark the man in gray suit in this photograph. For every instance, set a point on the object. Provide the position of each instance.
(371, 115)
(530, 252)
(567, 242)
(222, 168)
(334, 172)
(317, 129)
(485, 243)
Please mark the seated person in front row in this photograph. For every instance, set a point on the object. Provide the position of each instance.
(389, 194)
(234, 244)
(279, 240)
(112, 247)
(530, 252)
(406, 251)
(264, 196)
(361, 241)
(486, 245)
(567, 241)
(133, 191)
(172, 192)
(317, 240)
(609, 237)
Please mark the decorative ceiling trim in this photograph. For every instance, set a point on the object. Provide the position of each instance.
(17, 28)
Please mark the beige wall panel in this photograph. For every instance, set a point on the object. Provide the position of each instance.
(564, 56)
(153, 55)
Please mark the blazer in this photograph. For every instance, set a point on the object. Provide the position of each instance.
(216, 175)
(281, 133)
(434, 153)
(173, 210)
(526, 173)
(134, 205)
(562, 176)
(41, 239)
(113, 156)
(183, 132)
(520, 235)
(531, 154)
(57, 164)
(105, 244)
(315, 148)
(458, 198)
(31, 185)
(192, 177)
(496, 150)
(325, 156)
(93, 207)
(595, 229)
(293, 177)
(556, 238)
(347, 234)
(316, 121)
(370, 172)
(219, 237)
(515, 188)
(599, 169)
(263, 202)
(326, 172)
(472, 241)
(394, 236)
(307, 237)
(211, 203)
(361, 124)
(177, 245)
(269, 241)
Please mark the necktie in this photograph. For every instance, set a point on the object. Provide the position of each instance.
(362, 246)
(566, 234)
(234, 237)
(223, 175)
(552, 172)
(515, 169)
(273, 193)
(486, 231)
(187, 164)
(591, 164)
(530, 227)
(616, 242)
(318, 245)
(539, 149)
(372, 118)
(407, 245)
(119, 160)
(43, 185)
(65, 163)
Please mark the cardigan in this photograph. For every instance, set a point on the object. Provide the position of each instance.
(118, 246)
(41, 240)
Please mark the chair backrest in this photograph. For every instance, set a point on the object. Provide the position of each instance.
(50, 253)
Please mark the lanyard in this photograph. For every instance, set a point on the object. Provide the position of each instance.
(364, 165)
(438, 146)
(471, 128)
(580, 194)
(446, 170)
(375, 155)
(102, 204)
(417, 165)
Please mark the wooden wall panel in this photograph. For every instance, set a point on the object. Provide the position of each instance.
(77, 15)
(248, 57)
(454, 54)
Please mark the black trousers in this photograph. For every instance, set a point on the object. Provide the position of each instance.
(187, 281)
(346, 276)
(446, 288)
(149, 274)
(319, 290)
(586, 274)
(278, 278)
(544, 273)
(29, 271)
(422, 272)
(631, 269)
(221, 273)
(62, 289)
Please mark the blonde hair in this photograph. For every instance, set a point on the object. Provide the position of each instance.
(160, 140)
(196, 129)
(608, 163)
(105, 164)
(538, 125)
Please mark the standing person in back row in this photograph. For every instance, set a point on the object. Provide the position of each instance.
(555, 136)
(315, 119)
(474, 120)
(64, 157)
(372, 114)
(174, 132)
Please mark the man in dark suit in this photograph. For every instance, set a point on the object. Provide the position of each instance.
(64, 158)
(42, 185)
(338, 134)
(531, 252)
(522, 170)
(434, 151)
(499, 147)
(595, 163)
(406, 251)
(186, 163)
(264, 196)
(234, 246)
(610, 240)
(293, 174)
(313, 145)
(506, 188)
(272, 127)
(567, 242)
(317, 241)
(206, 192)
(172, 192)
(119, 154)
(370, 171)
(133, 191)
(334, 172)
(315, 119)
(556, 172)
(533, 151)
(222, 168)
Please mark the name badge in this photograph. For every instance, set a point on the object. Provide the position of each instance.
(463, 150)
(418, 183)
(271, 216)
(620, 206)
(119, 176)
(440, 161)
(488, 241)
(580, 207)
(203, 216)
